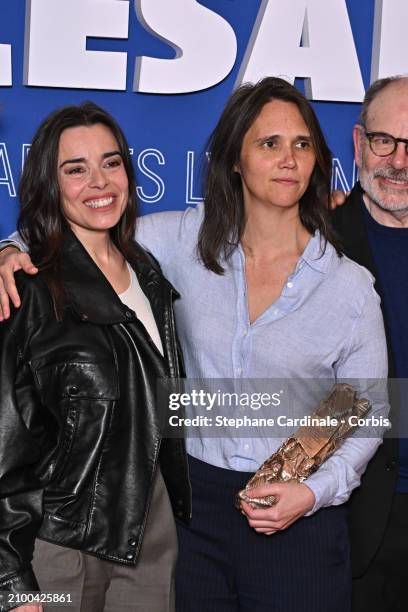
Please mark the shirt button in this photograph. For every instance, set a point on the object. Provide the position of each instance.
(245, 333)
(290, 285)
(276, 311)
(132, 542)
(129, 556)
(246, 446)
(239, 371)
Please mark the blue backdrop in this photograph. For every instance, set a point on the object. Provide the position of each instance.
(167, 133)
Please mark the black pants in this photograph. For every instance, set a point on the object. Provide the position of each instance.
(383, 588)
(224, 565)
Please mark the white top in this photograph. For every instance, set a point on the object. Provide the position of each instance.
(135, 299)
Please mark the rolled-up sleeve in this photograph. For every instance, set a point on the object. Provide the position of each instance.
(364, 365)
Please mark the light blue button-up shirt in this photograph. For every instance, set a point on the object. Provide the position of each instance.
(326, 324)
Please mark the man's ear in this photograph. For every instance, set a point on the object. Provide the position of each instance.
(357, 135)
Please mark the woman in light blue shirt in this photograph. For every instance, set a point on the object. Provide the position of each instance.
(266, 294)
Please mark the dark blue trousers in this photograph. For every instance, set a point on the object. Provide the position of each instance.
(225, 566)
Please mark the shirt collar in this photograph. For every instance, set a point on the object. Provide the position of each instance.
(315, 255)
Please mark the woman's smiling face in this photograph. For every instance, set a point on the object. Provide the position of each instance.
(92, 178)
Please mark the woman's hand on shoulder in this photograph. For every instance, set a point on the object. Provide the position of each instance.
(11, 260)
(294, 499)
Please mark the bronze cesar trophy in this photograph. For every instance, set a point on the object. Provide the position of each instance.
(304, 452)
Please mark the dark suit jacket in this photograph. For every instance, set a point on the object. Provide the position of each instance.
(370, 504)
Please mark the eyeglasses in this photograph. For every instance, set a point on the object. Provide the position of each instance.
(383, 144)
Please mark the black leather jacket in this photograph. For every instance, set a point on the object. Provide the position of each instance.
(79, 429)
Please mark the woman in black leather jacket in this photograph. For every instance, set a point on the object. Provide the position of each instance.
(83, 506)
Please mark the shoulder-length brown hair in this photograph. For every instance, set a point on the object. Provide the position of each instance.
(224, 217)
(41, 221)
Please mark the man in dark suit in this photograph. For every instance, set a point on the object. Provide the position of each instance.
(373, 225)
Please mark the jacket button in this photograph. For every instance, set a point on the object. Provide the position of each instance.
(132, 542)
(73, 390)
(180, 502)
(390, 466)
(84, 317)
(180, 513)
(128, 314)
(129, 556)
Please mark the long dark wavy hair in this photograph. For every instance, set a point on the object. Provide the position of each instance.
(41, 221)
(224, 215)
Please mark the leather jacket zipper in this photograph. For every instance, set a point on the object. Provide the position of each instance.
(170, 314)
